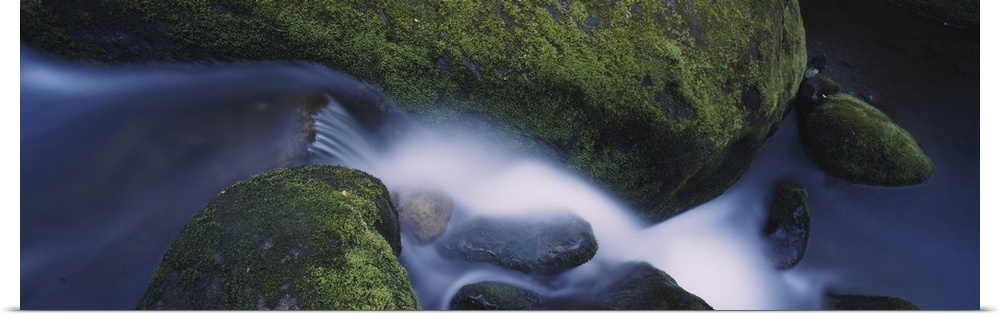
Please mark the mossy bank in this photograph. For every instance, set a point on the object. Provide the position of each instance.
(316, 237)
(665, 103)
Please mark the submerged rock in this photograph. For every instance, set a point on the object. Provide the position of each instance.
(315, 237)
(544, 244)
(494, 296)
(788, 224)
(423, 215)
(664, 103)
(640, 286)
(866, 302)
(852, 140)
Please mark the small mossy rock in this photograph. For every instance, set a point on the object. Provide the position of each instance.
(303, 238)
(423, 215)
(787, 224)
(664, 103)
(494, 296)
(960, 13)
(852, 140)
(540, 244)
(828, 87)
(866, 302)
(640, 286)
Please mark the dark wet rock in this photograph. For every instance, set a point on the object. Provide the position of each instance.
(813, 91)
(809, 92)
(423, 215)
(314, 237)
(787, 224)
(866, 302)
(542, 244)
(640, 286)
(811, 73)
(852, 140)
(817, 62)
(815, 66)
(494, 296)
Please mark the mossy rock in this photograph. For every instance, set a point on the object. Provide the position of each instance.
(493, 295)
(423, 215)
(787, 224)
(665, 103)
(960, 13)
(852, 140)
(867, 302)
(315, 237)
(828, 87)
(640, 286)
(540, 244)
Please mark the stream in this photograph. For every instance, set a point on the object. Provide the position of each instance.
(115, 160)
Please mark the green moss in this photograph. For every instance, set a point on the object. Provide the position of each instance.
(494, 296)
(640, 286)
(828, 87)
(304, 238)
(663, 103)
(852, 140)
(866, 302)
(788, 223)
(788, 195)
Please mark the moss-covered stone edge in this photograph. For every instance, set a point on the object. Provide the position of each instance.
(495, 295)
(329, 214)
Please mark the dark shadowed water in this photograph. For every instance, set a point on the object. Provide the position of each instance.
(115, 161)
(920, 243)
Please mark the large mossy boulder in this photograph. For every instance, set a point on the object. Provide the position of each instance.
(868, 302)
(315, 237)
(423, 214)
(494, 295)
(640, 286)
(852, 140)
(548, 243)
(665, 103)
(787, 225)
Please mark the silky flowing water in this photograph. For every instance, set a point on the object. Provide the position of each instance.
(115, 160)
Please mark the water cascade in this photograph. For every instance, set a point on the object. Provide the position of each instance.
(715, 251)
